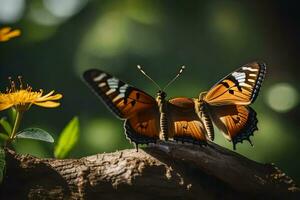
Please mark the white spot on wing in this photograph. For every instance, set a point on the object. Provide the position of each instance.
(120, 96)
(123, 89)
(113, 83)
(100, 77)
(241, 80)
(250, 69)
(239, 75)
(245, 85)
(110, 91)
(102, 84)
(251, 80)
(253, 75)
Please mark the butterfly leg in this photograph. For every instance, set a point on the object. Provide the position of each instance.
(136, 145)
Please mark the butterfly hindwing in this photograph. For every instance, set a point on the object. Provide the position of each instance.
(240, 87)
(138, 109)
(143, 128)
(185, 125)
(235, 121)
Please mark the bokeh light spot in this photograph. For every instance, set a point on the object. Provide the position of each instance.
(11, 10)
(107, 38)
(282, 97)
(110, 34)
(65, 8)
(41, 16)
(226, 19)
(146, 12)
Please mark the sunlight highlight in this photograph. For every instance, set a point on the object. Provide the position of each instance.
(64, 9)
(282, 97)
(11, 10)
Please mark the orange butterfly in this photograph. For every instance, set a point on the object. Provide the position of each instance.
(183, 119)
(226, 103)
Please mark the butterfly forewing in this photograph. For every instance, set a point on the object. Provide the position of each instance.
(121, 98)
(241, 87)
(185, 125)
(138, 109)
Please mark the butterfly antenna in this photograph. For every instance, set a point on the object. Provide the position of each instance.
(180, 72)
(144, 73)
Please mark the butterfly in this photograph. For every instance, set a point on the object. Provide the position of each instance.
(148, 119)
(226, 104)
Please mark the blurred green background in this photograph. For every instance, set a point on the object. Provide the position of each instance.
(61, 39)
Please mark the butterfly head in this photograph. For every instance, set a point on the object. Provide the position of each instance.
(201, 96)
(161, 98)
(161, 94)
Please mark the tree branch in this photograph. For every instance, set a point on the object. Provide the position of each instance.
(166, 170)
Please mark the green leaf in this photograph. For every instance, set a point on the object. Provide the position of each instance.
(3, 136)
(35, 134)
(2, 164)
(67, 139)
(6, 125)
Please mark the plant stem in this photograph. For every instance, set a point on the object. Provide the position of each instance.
(18, 119)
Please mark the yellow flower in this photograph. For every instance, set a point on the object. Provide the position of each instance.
(22, 98)
(6, 33)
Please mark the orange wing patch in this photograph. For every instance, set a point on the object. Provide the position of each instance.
(143, 128)
(185, 125)
(228, 93)
(238, 88)
(134, 102)
(188, 130)
(236, 122)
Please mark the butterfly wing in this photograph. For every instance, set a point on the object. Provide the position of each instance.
(139, 109)
(143, 128)
(121, 98)
(185, 125)
(240, 87)
(236, 122)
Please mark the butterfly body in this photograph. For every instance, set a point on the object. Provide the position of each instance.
(163, 109)
(148, 119)
(202, 110)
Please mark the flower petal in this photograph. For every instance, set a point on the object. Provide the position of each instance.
(54, 97)
(13, 33)
(4, 106)
(4, 30)
(47, 95)
(47, 104)
(5, 35)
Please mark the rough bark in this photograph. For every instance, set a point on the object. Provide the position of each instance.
(163, 171)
